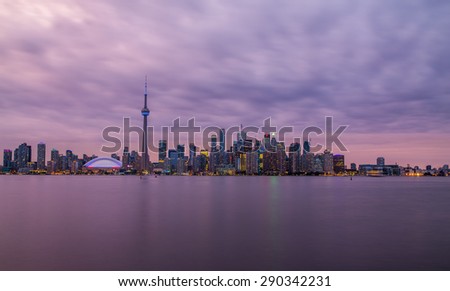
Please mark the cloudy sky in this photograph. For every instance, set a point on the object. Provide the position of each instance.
(71, 68)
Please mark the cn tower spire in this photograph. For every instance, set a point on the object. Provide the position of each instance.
(145, 92)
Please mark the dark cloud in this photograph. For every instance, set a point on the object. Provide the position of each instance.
(379, 66)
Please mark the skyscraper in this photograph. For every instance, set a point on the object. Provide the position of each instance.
(56, 161)
(306, 147)
(41, 156)
(192, 154)
(338, 164)
(7, 159)
(162, 150)
(180, 151)
(328, 162)
(294, 158)
(266, 141)
(222, 140)
(23, 155)
(125, 157)
(213, 143)
(214, 159)
(173, 158)
(69, 155)
(145, 113)
(380, 162)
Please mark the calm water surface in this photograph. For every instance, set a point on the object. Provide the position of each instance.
(224, 223)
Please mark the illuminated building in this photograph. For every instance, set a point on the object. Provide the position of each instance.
(306, 147)
(23, 156)
(180, 151)
(222, 140)
(306, 162)
(103, 164)
(201, 164)
(380, 162)
(281, 158)
(136, 161)
(173, 157)
(338, 164)
(252, 163)
(70, 158)
(181, 165)
(248, 145)
(125, 158)
(328, 162)
(294, 158)
(162, 150)
(192, 155)
(317, 166)
(213, 161)
(54, 157)
(266, 142)
(7, 159)
(213, 143)
(41, 156)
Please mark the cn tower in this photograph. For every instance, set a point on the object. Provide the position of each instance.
(145, 113)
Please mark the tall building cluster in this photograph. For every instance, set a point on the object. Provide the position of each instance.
(19, 161)
(246, 156)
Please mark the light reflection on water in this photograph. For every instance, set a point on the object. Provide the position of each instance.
(224, 223)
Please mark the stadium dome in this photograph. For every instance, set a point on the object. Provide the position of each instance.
(103, 163)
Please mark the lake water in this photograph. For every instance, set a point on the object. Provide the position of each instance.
(224, 223)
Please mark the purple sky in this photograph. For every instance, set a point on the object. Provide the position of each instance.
(71, 68)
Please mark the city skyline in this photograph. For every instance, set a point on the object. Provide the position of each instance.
(377, 66)
(246, 156)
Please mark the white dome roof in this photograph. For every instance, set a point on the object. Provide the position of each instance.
(103, 163)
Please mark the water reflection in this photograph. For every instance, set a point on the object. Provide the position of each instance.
(223, 223)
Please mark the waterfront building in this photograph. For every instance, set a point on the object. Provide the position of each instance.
(318, 163)
(7, 160)
(380, 162)
(307, 162)
(252, 163)
(181, 165)
(162, 150)
(23, 156)
(192, 155)
(328, 166)
(41, 156)
(56, 161)
(180, 151)
(213, 161)
(306, 147)
(125, 158)
(281, 159)
(339, 164)
(173, 157)
(294, 159)
(222, 140)
(213, 143)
